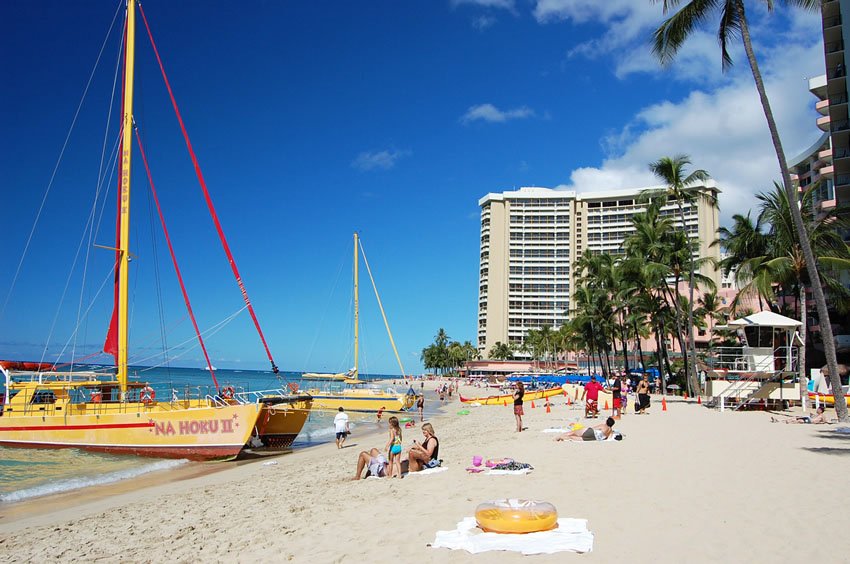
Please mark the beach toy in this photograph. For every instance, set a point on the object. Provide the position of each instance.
(405, 420)
(516, 516)
(477, 460)
(408, 425)
(463, 412)
(576, 426)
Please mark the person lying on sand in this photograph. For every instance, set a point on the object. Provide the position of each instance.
(425, 455)
(818, 419)
(599, 432)
(375, 461)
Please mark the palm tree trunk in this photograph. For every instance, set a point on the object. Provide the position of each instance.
(692, 350)
(680, 331)
(811, 265)
(639, 348)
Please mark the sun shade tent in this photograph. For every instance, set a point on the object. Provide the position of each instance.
(765, 319)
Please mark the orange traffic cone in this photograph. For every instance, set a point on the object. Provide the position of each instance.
(506, 403)
(699, 400)
(569, 401)
(532, 404)
(663, 404)
(548, 408)
(606, 405)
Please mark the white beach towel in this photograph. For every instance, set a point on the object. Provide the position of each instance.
(427, 471)
(493, 472)
(556, 430)
(571, 535)
(270, 463)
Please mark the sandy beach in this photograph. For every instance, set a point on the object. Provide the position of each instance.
(688, 483)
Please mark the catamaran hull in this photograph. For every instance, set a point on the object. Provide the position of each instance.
(826, 399)
(508, 398)
(166, 431)
(280, 422)
(362, 404)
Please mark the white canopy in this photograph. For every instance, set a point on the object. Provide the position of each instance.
(765, 319)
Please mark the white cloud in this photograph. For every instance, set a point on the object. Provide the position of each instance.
(492, 114)
(723, 129)
(483, 22)
(384, 160)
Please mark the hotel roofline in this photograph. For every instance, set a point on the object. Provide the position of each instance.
(542, 192)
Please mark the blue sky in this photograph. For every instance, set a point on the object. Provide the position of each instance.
(312, 120)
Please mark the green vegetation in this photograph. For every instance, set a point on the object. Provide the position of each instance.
(445, 355)
(669, 38)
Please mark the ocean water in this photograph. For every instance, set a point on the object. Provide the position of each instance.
(29, 473)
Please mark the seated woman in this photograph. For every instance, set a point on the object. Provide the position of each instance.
(599, 432)
(425, 455)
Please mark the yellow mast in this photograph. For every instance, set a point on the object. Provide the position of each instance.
(124, 239)
(356, 310)
(383, 313)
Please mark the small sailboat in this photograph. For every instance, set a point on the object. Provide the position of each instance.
(359, 395)
(48, 408)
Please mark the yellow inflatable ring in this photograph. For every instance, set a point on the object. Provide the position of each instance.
(516, 516)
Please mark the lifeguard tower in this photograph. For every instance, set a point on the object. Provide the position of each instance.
(763, 370)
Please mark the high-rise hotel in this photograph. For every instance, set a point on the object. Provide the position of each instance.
(531, 237)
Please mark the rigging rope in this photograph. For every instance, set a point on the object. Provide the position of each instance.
(381, 306)
(207, 197)
(173, 257)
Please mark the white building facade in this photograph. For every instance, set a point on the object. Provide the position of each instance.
(531, 237)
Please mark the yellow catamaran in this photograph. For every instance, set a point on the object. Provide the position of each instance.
(93, 411)
(359, 395)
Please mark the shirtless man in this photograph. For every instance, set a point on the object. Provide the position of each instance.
(643, 395)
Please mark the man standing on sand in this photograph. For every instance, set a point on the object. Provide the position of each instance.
(591, 391)
(616, 389)
(341, 427)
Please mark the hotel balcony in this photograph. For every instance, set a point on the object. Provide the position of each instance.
(826, 205)
(826, 171)
(822, 107)
(825, 156)
(823, 123)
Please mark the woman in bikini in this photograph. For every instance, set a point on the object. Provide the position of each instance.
(394, 447)
(425, 455)
(599, 432)
(518, 394)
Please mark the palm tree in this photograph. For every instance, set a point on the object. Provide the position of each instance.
(501, 351)
(668, 39)
(784, 260)
(684, 189)
(744, 245)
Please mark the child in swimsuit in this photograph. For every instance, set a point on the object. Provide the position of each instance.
(394, 447)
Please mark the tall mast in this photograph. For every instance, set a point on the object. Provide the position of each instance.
(124, 239)
(356, 310)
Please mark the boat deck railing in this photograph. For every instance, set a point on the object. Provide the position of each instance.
(103, 398)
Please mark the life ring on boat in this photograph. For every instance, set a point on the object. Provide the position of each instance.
(96, 397)
(147, 395)
(227, 392)
(293, 387)
(516, 516)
